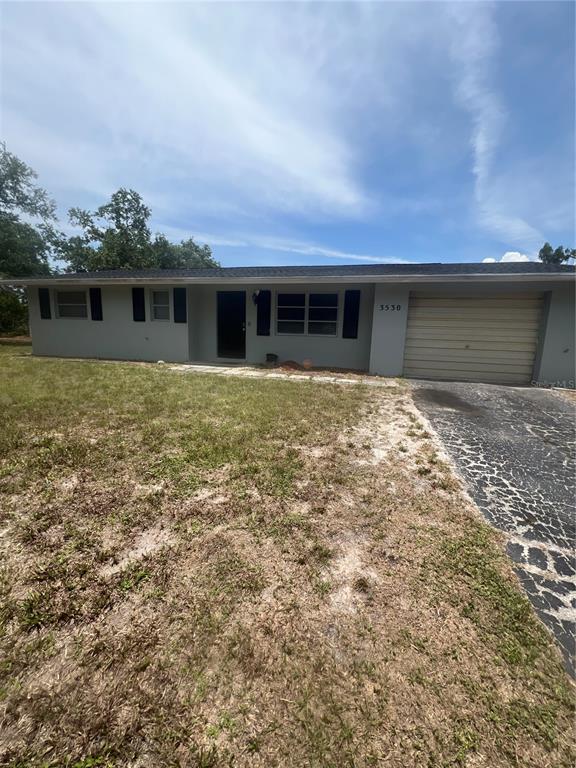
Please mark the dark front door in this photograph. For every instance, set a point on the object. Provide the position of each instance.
(232, 324)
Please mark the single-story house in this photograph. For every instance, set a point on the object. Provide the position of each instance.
(496, 322)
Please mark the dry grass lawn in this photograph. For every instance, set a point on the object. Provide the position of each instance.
(208, 571)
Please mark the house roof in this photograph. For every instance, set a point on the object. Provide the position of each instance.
(349, 272)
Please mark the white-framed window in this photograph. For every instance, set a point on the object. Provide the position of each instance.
(160, 301)
(311, 313)
(290, 312)
(72, 304)
(323, 314)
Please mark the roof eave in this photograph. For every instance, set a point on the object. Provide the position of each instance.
(546, 277)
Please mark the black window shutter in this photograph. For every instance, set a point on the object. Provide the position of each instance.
(96, 304)
(44, 301)
(351, 314)
(264, 306)
(179, 305)
(138, 305)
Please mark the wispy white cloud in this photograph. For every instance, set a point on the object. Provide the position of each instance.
(180, 233)
(510, 256)
(239, 108)
(155, 92)
(309, 249)
(284, 118)
(279, 245)
(474, 42)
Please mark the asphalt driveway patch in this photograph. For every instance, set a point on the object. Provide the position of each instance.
(515, 449)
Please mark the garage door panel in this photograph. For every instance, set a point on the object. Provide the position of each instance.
(493, 366)
(463, 322)
(481, 304)
(473, 335)
(418, 297)
(489, 344)
(423, 353)
(445, 374)
(481, 339)
(473, 313)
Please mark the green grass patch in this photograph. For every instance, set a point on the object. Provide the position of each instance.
(68, 416)
(492, 602)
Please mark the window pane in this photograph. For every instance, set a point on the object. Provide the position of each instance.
(323, 313)
(160, 312)
(71, 297)
(323, 329)
(323, 299)
(291, 299)
(71, 303)
(72, 310)
(290, 327)
(291, 313)
(160, 297)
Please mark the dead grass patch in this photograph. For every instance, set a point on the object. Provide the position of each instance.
(201, 571)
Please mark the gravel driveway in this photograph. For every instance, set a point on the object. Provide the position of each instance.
(516, 450)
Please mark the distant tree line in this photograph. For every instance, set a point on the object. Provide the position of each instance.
(116, 235)
(559, 255)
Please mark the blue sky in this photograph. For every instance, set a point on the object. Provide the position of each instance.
(296, 133)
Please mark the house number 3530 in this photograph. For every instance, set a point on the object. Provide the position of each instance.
(390, 307)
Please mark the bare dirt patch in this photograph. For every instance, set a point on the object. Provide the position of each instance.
(146, 543)
(351, 577)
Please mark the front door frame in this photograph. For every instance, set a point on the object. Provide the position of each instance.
(240, 330)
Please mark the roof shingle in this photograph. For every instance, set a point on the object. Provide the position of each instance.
(348, 270)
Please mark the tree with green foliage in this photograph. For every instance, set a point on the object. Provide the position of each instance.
(559, 255)
(117, 236)
(24, 245)
(24, 248)
(13, 312)
(184, 255)
(190, 254)
(18, 190)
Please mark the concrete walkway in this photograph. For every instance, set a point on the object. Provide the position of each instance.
(249, 372)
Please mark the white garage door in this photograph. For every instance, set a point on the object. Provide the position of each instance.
(491, 338)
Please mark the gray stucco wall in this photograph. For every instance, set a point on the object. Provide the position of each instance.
(378, 348)
(323, 351)
(390, 314)
(117, 336)
(556, 362)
